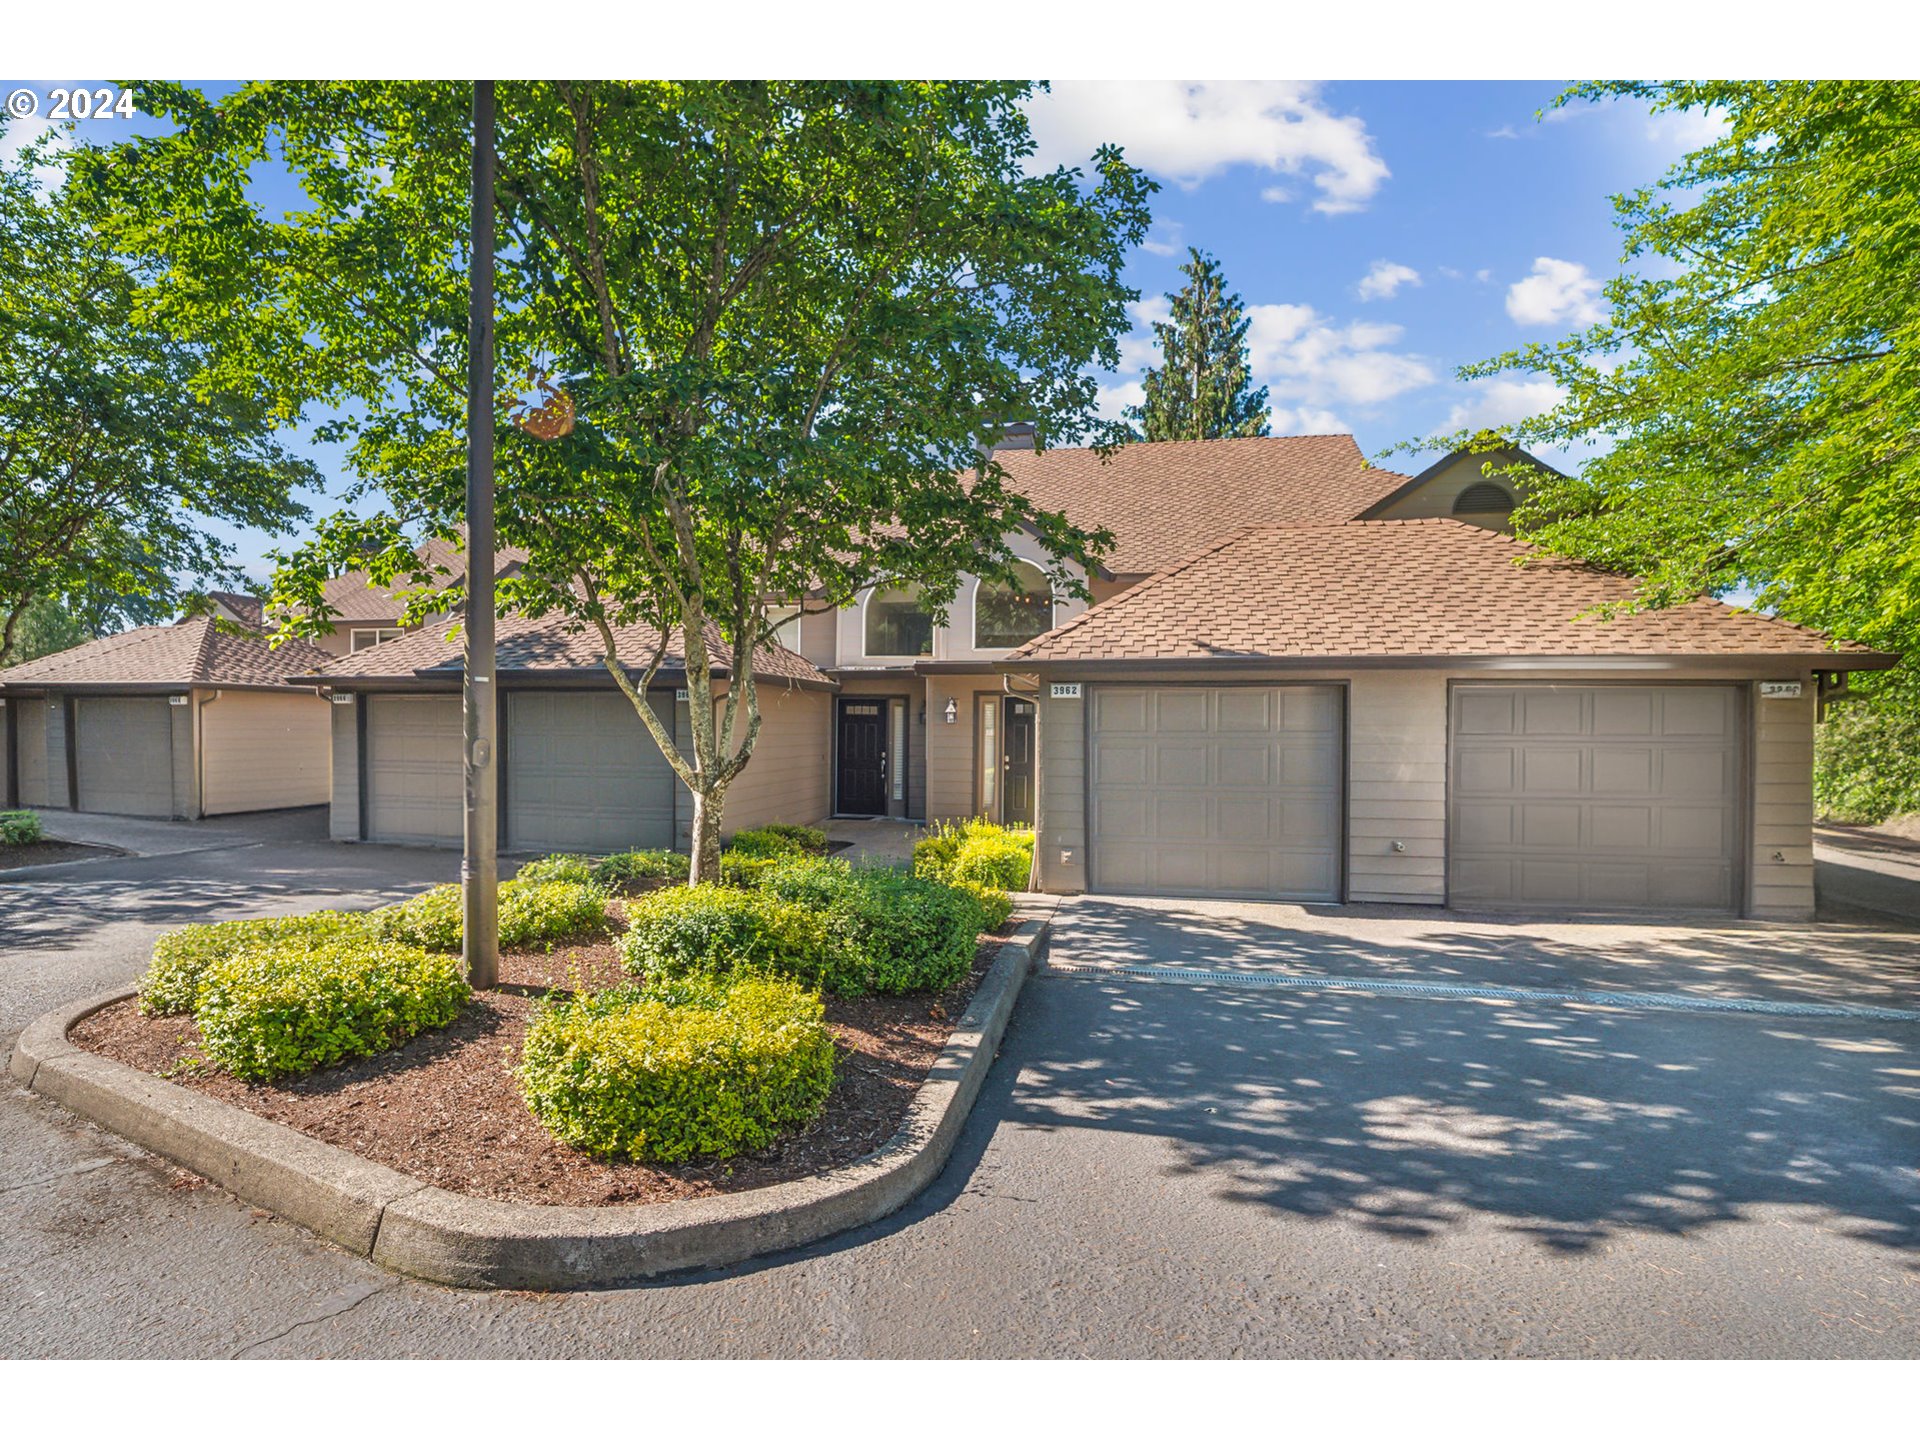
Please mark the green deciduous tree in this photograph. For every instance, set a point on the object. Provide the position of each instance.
(1202, 389)
(787, 318)
(1752, 399)
(115, 454)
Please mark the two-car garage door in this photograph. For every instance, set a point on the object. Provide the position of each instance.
(582, 773)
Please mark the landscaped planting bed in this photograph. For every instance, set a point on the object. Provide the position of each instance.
(448, 1107)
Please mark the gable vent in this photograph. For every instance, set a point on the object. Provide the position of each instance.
(1484, 498)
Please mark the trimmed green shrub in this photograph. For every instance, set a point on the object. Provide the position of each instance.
(744, 872)
(706, 1071)
(1000, 861)
(287, 1009)
(886, 931)
(975, 850)
(995, 905)
(770, 840)
(629, 867)
(716, 930)
(808, 839)
(541, 913)
(570, 869)
(181, 958)
(20, 827)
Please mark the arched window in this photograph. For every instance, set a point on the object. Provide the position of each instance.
(896, 625)
(1484, 498)
(1008, 615)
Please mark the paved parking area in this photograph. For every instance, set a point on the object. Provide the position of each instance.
(1153, 1169)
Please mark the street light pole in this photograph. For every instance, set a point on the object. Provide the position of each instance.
(479, 864)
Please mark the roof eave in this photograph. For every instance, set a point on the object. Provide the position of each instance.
(1625, 663)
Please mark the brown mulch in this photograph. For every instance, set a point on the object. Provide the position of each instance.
(51, 852)
(445, 1108)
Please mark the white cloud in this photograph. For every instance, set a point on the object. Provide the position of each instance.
(1499, 400)
(1173, 244)
(1276, 194)
(1307, 359)
(1556, 292)
(1189, 131)
(1505, 132)
(1685, 130)
(1140, 347)
(1114, 400)
(1384, 278)
(1485, 277)
(1306, 421)
(16, 135)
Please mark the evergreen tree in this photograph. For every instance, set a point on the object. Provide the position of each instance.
(1203, 390)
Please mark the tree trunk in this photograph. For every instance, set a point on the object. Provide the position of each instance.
(705, 847)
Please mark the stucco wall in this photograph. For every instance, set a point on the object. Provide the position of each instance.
(265, 751)
(787, 778)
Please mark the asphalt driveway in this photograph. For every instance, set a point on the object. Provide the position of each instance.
(1194, 1168)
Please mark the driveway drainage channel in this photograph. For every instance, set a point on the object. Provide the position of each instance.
(1612, 999)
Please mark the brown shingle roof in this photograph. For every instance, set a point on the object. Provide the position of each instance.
(249, 610)
(550, 645)
(194, 652)
(1165, 499)
(1416, 588)
(352, 596)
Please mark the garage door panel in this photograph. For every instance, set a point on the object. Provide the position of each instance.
(1596, 823)
(1485, 713)
(415, 786)
(1245, 710)
(584, 774)
(124, 754)
(1232, 791)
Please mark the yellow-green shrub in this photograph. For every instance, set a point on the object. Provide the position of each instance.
(182, 957)
(627, 869)
(573, 869)
(887, 931)
(287, 1009)
(536, 913)
(717, 930)
(977, 851)
(704, 1071)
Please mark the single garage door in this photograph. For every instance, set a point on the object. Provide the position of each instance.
(415, 788)
(1601, 797)
(124, 754)
(1229, 791)
(584, 774)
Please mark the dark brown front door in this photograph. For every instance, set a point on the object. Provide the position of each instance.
(1017, 769)
(862, 788)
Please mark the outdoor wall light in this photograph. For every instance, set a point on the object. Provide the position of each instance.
(952, 712)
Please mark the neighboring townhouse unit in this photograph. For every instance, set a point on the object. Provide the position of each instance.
(579, 771)
(364, 614)
(171, 721)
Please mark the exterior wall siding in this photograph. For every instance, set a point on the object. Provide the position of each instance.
(59, 793)
(187, 773)
(36, 716)
(1060, 809)
(787, 778)
(1781, 812)
(343, 816)
(262, 751)
(1397, 786)
(1437, 496)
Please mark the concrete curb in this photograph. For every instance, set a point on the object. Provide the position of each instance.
(433, 1234)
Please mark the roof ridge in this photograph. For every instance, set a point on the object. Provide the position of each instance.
(202, 666)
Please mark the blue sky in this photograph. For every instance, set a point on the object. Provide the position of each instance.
(1381, 233)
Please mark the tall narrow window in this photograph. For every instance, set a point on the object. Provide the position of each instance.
(900, 753)
(989, 753)
(1007, 615)
(897, 626)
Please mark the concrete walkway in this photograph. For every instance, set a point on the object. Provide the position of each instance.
(138, 836)
(876, 842)
(1858, 870)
